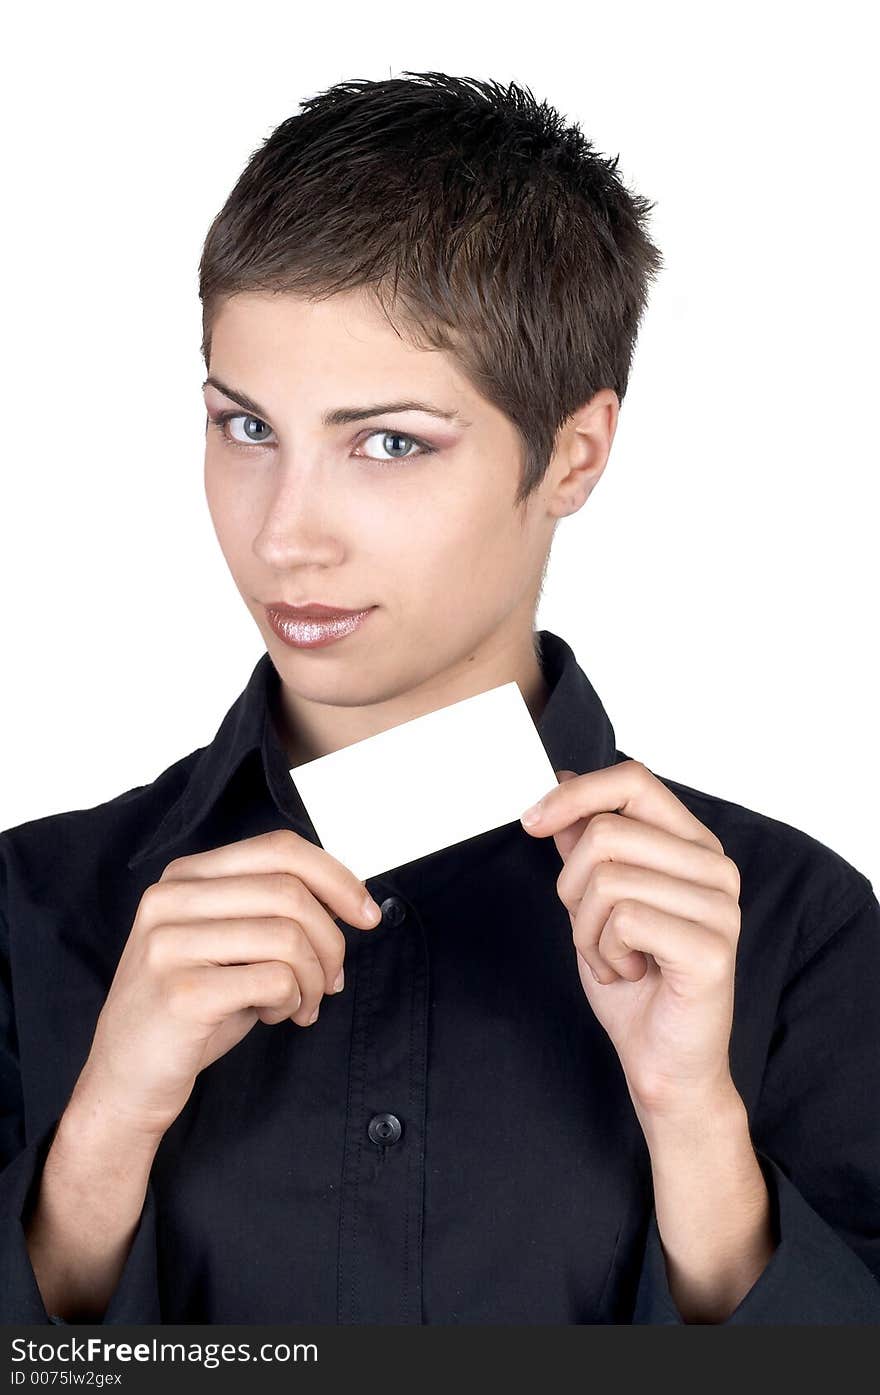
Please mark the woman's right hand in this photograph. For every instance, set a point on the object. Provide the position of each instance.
(224, 938)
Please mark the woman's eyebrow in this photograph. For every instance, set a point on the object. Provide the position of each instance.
(338, 416)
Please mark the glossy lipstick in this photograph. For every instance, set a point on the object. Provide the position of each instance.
(312, 626)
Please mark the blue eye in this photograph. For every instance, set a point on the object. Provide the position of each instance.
(422, 448)
(225, 418)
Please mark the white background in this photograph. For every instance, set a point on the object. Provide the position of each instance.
(719, 588)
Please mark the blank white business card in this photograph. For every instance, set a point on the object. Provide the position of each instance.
(427, 784)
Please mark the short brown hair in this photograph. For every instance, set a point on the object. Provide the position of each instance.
(476, 215)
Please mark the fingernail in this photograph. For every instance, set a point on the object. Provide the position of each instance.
(595, 975)
(531, 815)
(371, 910)
(339, 981)
(313, 1018)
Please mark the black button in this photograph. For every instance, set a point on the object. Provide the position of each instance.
(384, 1128)
(393, 910)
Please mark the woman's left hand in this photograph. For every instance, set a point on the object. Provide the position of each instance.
(654, 907)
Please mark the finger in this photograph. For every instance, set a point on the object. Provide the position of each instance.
(617, 881)
(632, 967)
(628, 788)
(567, 838)
(208, 994)
(685, 952)
(281, 850)
(247, 896)
(613, 838)
(244, 941)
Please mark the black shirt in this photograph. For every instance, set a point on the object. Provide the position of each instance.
(453, 1140)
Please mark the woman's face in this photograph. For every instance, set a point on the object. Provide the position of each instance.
(403, 510)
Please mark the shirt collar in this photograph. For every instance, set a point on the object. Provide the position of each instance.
(574, 728)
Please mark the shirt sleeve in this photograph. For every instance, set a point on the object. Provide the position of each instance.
(816, 1133)
(136, 1296)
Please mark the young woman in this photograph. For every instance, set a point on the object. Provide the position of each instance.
(616, 1064)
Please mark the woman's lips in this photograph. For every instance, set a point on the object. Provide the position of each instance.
(314, 631)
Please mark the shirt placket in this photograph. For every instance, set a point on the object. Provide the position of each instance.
(381, 1214)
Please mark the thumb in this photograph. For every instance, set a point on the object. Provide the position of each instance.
(566, 838)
